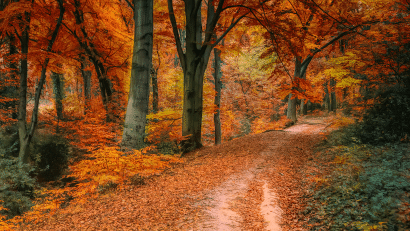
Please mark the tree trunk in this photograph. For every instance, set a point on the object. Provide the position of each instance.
(58, 89)
(22, 111)
(218, 88)
(303, 107)
(197, 56)
(155, 96)
(292, 102)
(327, 105)
(25, 135)
(194, 61)
(192, 107)
(138, 100)
(291, 112)
(333, 103)
(87, 84)
(11, 91)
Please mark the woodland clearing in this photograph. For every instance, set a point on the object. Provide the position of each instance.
(250, 183)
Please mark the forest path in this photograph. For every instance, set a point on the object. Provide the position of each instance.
(248, 200)
(250, 183)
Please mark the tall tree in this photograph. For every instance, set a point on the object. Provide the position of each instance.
(138, 100)
(26, 134)
(86, 74)
(58, 89)
(218, 89)
(93, 54)
(194, 58)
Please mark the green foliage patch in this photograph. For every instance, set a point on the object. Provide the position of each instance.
(387, 120)
(367, 189)
(16, 186)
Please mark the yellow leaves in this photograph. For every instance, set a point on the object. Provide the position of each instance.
(166, 124)
(367, 227)
(340, 70)
(262, 124)
(108, 164)
(347, 82)
(341, 121)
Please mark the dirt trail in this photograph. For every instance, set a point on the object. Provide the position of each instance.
(220, 201)
(250, 183)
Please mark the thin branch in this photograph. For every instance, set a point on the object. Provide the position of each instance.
(130, 5)
(351, 30)
(320, 8)
(228, 30)
(296, 12)
(233, 24)
(176, 34)
(210, 26)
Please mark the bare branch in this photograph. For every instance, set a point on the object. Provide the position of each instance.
(228, 30)
(176, 33)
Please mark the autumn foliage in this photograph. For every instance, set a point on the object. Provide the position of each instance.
(65, 72)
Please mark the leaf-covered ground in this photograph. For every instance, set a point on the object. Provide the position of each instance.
(250, 183)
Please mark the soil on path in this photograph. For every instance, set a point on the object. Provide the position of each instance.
(251, 183)
(251, 199)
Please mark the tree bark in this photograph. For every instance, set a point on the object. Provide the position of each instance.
(22, 111)
(327, 105)
(11, 91)
(303, 107)
(217, 101)
(292, 102)
(155, 96)
(58, 89)
(138, 100)
(333, 95)
(86, 83)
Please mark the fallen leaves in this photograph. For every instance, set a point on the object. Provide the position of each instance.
(169, 201)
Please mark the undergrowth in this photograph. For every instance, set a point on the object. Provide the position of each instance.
(366, 188)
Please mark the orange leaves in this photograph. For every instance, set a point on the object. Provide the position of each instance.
(108, 164)
(3, 222)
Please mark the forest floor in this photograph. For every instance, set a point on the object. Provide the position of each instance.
(256, 182)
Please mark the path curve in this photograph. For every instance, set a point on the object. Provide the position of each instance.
(220, 213)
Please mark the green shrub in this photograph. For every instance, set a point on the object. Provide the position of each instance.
(387, 120)
(16, 186)
(9, 140)
(366, 189)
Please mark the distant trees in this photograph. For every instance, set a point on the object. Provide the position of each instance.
(297, 31)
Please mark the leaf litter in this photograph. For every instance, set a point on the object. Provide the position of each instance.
(250, 183)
